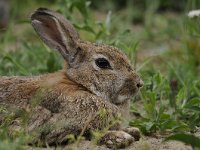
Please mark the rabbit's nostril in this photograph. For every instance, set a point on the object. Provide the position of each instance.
(140, 84)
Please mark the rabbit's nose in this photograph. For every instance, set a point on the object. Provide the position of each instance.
(140, 83)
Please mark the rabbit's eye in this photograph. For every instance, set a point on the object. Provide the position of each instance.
(103, 63)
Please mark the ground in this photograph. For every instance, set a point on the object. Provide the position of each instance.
(145, 143)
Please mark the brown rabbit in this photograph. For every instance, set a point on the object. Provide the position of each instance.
(89, 93)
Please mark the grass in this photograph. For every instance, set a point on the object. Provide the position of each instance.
(164, 48)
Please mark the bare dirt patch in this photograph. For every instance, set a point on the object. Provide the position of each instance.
(145, 143)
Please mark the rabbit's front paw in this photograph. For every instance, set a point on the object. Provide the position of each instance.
(133, 131)
(116, 139)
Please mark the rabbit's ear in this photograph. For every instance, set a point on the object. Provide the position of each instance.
(57, 32)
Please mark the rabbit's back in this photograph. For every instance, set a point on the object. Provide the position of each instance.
(17, 90)
(20, 90)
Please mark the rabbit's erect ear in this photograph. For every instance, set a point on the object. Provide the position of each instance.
(57, 32)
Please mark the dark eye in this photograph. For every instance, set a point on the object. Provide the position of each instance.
(102, 63)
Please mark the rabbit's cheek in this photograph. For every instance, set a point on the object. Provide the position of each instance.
(128, 89)
(122, 98)
(125, 94)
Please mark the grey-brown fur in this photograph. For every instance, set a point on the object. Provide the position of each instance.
(73, 99)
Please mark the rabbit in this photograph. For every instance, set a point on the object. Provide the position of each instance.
(92, 91)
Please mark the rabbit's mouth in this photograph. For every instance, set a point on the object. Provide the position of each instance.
(121, 99)
(124, 94)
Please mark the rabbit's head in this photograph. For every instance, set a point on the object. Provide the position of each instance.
(104, 70)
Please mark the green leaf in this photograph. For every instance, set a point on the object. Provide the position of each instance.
(195, 108)
(188, 139)
(193, 102)
(181, 96)
(158, 79)
(82, 7)
(85, 27)
(150, 126)
(196, 86)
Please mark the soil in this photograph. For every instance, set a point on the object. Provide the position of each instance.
(145, 143)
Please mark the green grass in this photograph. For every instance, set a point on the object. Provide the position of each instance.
(164, 48)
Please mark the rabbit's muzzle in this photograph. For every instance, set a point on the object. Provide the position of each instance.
(129, 88)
